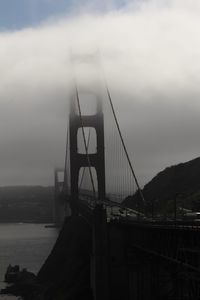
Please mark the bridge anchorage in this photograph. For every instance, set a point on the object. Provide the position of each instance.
(130, 258)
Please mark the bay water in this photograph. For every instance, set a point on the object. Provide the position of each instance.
(27, 245)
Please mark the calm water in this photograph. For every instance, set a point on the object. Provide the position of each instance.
(27, 245)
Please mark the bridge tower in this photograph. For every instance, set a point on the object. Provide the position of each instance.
(96, 160)
(78, 160)
(99, 259)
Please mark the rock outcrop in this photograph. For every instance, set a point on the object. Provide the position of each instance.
(65, 274)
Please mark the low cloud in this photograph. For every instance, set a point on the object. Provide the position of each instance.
(150, 54)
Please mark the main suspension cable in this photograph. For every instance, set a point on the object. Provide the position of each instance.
(120, 134)
(65, 183)
(123, 144)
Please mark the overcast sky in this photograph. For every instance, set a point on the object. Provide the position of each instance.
(150, 52)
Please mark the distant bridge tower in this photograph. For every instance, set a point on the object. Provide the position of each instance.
(78, 160)
(58, 205)
(61, 205)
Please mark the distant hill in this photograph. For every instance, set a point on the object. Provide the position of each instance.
(26, 204)
(181, 181)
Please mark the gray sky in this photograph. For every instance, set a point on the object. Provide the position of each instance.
(151, 57)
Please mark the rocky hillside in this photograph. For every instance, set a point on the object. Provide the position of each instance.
(180, 181)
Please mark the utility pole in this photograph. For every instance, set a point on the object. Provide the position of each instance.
(175, 208)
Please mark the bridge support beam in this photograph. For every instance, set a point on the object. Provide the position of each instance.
(99, 259)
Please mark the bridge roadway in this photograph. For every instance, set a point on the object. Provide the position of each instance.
(142, 257)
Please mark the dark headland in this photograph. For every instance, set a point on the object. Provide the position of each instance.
(181, 181)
